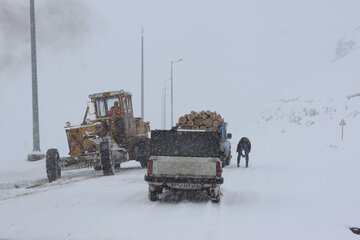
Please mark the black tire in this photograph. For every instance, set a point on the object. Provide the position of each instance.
(105, 157)
(97, 167)
(59, 171)
(53, 169)
(153, 195)
(143, 162)
(215, 198)
(228, 161)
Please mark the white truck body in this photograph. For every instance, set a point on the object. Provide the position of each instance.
(184, 166)
(194, 169)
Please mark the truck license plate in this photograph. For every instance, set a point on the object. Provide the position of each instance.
(184, 185)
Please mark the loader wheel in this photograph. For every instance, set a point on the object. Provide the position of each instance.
(97, 167)
(53, 169)
(105, 156)
(143, 162)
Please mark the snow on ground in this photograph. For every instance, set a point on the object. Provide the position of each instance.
(301, 184)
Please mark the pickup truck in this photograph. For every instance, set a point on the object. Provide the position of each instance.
(184, 160)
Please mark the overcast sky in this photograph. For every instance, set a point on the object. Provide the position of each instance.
(236, 55)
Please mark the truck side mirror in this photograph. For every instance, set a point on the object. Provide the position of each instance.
(229, 136)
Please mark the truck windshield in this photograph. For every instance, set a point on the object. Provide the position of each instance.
(103, 105)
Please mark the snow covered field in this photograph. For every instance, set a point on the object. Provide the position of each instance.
(301, 184)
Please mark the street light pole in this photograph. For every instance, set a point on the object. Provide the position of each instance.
(36, 155)
(164, 104)
(142, 74)
(172, 91)
(162, 109)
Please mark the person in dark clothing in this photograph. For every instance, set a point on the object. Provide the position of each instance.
(243, 145)
(115, 110)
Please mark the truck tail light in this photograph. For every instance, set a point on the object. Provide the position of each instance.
(218, 169)
(149, 167)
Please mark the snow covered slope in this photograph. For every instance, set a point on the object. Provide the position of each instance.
(306, 112)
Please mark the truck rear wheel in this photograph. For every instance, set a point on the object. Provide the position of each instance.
(105, 157)
(53, 169)
(215, 196)
(215, 199)
(153, 195)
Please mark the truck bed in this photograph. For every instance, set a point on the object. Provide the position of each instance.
(185, 143)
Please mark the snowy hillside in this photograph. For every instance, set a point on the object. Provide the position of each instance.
(307, 112)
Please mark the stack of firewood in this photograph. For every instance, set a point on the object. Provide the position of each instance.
(204, 120)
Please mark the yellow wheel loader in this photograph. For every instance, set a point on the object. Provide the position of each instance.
(112, 137)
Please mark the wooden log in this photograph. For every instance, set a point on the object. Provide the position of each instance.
(195, 127)
(198, 121)
(208, 122)
(184, 126)
(182, 120)
(190, 123)
(216, 124)
(212, 114)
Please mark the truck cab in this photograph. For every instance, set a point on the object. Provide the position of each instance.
(225, 145)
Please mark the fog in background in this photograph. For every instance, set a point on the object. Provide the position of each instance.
(237, 56)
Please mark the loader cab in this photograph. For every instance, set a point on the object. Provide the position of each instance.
(104, 101)
(104, 104)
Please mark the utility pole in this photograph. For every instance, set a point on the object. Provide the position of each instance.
(142, 74)
(172, 90)
(163, 125)
(36, 155)
(164, 104)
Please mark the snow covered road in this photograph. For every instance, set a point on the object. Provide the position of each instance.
(305, 192)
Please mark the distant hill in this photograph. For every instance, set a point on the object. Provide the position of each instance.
(308, 112)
